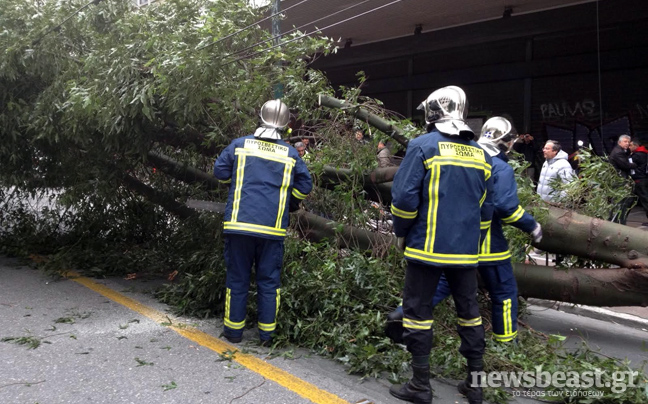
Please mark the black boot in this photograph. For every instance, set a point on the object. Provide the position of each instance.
(394, 327)
(417, 390)
(471, 387)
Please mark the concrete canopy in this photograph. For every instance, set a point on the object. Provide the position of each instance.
(379, 20)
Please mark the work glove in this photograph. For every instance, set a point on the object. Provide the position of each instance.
(537, 233)
(400, 243)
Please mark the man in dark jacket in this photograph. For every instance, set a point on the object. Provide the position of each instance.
(621, 161)
(620, 157)
(640, 158)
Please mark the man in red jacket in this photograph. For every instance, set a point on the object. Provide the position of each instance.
(639, 175)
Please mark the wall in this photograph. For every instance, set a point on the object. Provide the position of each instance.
(570, 70)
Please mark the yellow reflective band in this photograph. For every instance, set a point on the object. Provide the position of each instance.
(298, 194)
(486, 256)
(233, 325)
(486, 245)
(433, 208)
(278, 299)
(485, 225)
(458, 259)
(228, 296)
(404, 214)
(479, 165)
(417, 324)
(240, 173)
(506, 316)
(283, 194)
(228, 181)
(505, 337)
(483, 198)
(267, 327)
(254, 228)
(266, 156)
(517, 215)
(473, 322)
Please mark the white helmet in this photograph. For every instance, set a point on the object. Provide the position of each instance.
(274, 116)
(446, 108)
(497, 135)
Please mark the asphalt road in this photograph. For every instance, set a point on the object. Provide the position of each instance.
(110, 341)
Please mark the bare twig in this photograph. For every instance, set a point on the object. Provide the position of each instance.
(255, 387)
(25, 383)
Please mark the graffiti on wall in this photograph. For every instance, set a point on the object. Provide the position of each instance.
(557, 111)
(601, 138)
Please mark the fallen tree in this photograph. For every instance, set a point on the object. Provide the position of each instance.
(595, 287)
(567, 232)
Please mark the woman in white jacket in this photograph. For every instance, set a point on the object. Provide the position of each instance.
(555, 166)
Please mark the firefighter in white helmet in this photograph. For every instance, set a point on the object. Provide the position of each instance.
(497, 137)
(441, 207)
(268, 179)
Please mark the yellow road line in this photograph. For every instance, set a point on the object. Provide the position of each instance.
(285, 379)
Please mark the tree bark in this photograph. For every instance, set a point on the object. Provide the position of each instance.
(183, 172)
(317, 228)
(593, 287)
(160, 198)
(567, 232)
(361, 113)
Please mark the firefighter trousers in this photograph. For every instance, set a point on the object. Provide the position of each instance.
(420, 284)
(503, 292)
(241, 253)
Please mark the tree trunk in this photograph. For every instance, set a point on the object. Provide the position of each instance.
(567, 232)
(317, 228)
(593, 287)
(160, 198)
(183, 172)
(361, 113)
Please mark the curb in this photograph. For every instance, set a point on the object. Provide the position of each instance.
(599, 313)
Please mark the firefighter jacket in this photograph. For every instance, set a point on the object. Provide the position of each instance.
(267, 178)
(507, 210)
(441, 200)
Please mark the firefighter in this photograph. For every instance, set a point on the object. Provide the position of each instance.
(495, 267)
(267, 180)
(442, 208)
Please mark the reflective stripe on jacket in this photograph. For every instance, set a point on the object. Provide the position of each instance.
(441, 201)
(264, 175)
(507, 210)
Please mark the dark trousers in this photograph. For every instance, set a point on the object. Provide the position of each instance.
(621, 210)
(241, 252)
(420, 284)
(503, 292)
(641, 190)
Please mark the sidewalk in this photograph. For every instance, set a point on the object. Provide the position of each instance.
(631, 316)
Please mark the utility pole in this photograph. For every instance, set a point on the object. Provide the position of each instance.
(276, 34)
